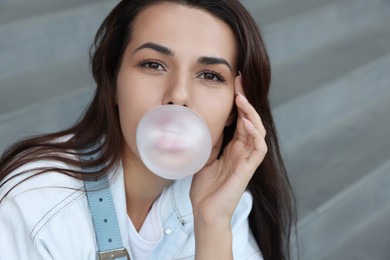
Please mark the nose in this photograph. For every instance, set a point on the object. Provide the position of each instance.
(178, 91)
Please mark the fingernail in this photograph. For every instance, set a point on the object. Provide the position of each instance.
(242, 96)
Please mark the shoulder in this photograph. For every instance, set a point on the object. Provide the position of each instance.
(40, 178)
(28, 182)
(35, 194)
(43, 208)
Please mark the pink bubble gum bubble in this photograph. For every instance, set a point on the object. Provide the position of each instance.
(173, 141)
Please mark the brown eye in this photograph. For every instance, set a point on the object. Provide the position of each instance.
(152, 65)
(212, 76)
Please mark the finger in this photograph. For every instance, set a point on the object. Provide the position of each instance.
(241, 134)
(239, 90)
(254, 136)
(246, 110)
(250, 128)
(256, 143)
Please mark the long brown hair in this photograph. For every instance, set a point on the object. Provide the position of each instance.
(273, 212)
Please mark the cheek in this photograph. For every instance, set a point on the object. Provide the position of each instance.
(217, 119)
(133, 102)
(128, 122)
(130, 112)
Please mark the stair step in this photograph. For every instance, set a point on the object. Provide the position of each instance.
(369, 242)
(42, 40)
(318, 26)
(316, 68)
(53, 115)
(307, 114)
(268, 12)
(41, 84)
(254, 5)
(351, 219)
(12, 11)
(43, 100)
(335, 176)
(339, 155)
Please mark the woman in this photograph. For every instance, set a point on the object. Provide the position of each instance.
(206, 55)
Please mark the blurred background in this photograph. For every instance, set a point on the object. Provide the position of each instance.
(330, 98)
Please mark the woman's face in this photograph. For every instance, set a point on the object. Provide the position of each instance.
(179, 55)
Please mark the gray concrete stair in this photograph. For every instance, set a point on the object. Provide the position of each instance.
(45, 82)
(337, 222)
(306, 114)
(339, 155)
(17, 10)
(331, 99)
(44, 99)
(44, 39)
(315, 69)
(331, 96)
(341, 177)
(323, 23)
(55, 114)
(359, 246)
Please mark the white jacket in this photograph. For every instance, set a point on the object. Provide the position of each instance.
(47, 217)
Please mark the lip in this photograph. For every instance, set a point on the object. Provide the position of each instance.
(171, 137)
(171, 143)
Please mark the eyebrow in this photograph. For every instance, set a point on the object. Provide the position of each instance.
(166, 51)
(157, 47)
(213, 60)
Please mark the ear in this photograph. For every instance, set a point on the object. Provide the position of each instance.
(232, 117)
(237, 87)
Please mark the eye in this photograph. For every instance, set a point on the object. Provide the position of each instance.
(212, 76)
(151, 65)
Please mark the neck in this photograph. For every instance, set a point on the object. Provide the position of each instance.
(142, 188)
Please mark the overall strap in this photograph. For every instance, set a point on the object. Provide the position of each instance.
(103, 212)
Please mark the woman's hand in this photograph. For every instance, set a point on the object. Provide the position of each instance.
(218, 187)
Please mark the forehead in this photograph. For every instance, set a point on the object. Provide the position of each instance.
(181, 28)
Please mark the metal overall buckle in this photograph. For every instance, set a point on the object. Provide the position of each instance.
(114, 254)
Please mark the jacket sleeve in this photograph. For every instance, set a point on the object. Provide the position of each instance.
(15, 238)
(61, 233)
(45, 217)
(244, 244)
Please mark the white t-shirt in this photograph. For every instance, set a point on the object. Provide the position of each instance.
(143, 243)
